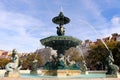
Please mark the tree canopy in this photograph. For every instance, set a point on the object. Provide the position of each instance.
(74, 54)
(3, 62)
(27, 62)
(98, 52)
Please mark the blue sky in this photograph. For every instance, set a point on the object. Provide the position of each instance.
(24, 22)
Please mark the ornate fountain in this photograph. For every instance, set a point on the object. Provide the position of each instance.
(60, 64)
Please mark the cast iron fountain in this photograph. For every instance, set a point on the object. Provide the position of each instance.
(60, 43)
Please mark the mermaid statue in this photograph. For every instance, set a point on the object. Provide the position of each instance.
(13, 66)
(112, 69)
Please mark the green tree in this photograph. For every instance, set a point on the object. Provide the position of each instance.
(98, 53)
(74, 54)
(30, 58)
(3, 62)
(116, 53)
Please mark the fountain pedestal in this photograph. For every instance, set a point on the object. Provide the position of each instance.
(15, 74)
(113, 76)
(60, 73)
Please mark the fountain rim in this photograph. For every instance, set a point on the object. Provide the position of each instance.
(60, 38)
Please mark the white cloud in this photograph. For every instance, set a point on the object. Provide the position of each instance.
(22, 31)
(115, 23)
(86, 22)
(86, 30)
(93, 12)
(113, 26)
(17, 24)
(92, 24)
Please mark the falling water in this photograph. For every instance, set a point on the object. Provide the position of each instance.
(80, 49)
(104, 44)
(110, 38)
(92, 27)
(36, 53)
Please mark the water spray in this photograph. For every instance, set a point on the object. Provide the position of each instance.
(81, 51)
(36, 53)
(110, 38)
(96, 33)
(61, 8)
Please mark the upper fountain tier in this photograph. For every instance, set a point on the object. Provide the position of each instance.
(61, 19)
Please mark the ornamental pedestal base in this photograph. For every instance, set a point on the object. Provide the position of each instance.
(113, 76)
(12, 74)
(61, 73)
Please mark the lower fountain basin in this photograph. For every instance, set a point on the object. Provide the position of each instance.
(91, 74)
(73, 77)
